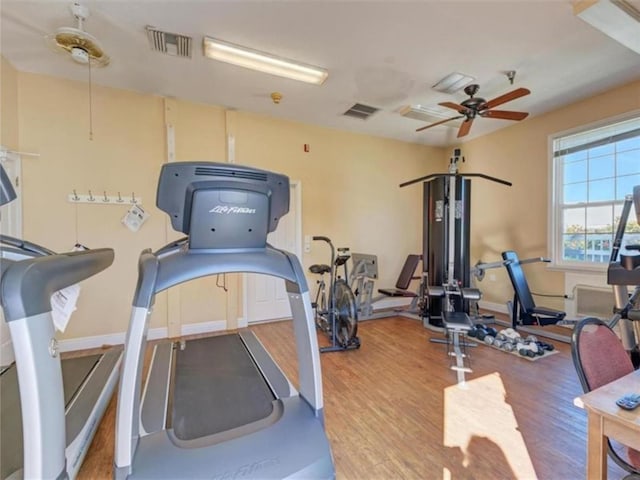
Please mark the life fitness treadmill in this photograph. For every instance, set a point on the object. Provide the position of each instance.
(220, 407)
(49, 410)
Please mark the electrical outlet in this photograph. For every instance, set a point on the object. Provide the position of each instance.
(492, 277)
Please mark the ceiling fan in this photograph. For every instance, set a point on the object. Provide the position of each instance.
(83, 47)
(477, 106)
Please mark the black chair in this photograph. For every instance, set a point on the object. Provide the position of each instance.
(524, 309)
(404, 280)
(600, 358)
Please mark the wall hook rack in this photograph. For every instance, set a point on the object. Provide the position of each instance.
(104, 199)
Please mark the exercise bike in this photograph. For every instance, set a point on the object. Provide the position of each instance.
(337, 317)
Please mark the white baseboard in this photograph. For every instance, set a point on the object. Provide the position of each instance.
(99, 341)
(386, 303)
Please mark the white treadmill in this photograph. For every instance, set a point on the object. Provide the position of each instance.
(220, 407)
(49, 410)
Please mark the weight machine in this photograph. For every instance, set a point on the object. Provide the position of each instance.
(624, 270)
(446, 252)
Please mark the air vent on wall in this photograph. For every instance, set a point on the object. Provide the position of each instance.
(169, 43)
(361, 111)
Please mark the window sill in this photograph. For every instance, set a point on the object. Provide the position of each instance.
(589, 269)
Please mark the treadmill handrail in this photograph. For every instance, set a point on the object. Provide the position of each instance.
(26, 286)
(25, 245)
(179, 265)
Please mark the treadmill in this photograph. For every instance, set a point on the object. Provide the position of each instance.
(60, 413)
(220, 407)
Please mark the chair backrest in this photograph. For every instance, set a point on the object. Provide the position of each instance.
(518, 280)
(598, 354)
(409, 268)
(600, 358)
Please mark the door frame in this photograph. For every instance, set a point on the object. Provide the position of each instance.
(15, 230)
(295, 187)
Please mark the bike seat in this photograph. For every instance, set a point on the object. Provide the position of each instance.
(320, 269)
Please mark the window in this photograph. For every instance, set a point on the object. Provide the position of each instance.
(594, 170)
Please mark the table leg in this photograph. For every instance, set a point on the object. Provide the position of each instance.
(596, 448)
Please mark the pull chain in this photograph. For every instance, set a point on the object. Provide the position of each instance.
(90, 101)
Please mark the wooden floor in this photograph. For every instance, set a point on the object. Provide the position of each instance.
(393, 410)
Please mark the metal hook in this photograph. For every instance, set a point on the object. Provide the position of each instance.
(105, 198)
(75, 195)
(91, 197)
(133, 197)
(119, 200)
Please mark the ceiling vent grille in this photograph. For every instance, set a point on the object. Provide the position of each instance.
(169, 43)
(361, 111)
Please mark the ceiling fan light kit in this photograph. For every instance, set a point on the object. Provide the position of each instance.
(82, 46)
(262, 61)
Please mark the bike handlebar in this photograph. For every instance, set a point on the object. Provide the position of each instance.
(324, 239)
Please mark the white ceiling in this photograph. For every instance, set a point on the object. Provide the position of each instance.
(386, 54)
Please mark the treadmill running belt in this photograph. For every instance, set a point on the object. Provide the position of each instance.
(217, 387)
(74, 373)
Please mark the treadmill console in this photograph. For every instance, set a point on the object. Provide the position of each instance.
(222, 205)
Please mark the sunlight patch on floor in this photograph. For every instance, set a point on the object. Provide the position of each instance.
(480, 426)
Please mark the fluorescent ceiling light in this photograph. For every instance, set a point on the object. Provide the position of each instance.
(616, 18)
(453, 82)
(429, 114)
(263, 62)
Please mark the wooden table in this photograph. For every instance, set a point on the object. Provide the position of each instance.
(606, 419)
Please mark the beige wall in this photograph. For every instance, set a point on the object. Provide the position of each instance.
(349, 185)
(515, 218)
(8, 105)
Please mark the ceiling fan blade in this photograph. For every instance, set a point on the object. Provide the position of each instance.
(465, 127)
(438, 123)
(507, 97)
(455, 106)
(504, 114)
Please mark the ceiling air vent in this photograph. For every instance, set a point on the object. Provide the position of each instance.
(361, 111)
(169, 43)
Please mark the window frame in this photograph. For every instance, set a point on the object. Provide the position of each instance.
(555, 183)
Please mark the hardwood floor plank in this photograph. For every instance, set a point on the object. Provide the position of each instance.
(393, 410)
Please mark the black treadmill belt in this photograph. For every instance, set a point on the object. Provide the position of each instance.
(217, 387)
(74, 372)
(11, 421)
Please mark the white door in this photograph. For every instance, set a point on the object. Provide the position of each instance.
(10, 224)
(265, 296)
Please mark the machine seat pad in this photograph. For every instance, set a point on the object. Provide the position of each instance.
(548, 312)
(457, 321)
(319, 269)
(396, 292)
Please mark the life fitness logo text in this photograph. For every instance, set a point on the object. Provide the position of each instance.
(225, 210)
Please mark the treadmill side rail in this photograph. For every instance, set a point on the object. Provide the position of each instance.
(128, 410)
(41, 398)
